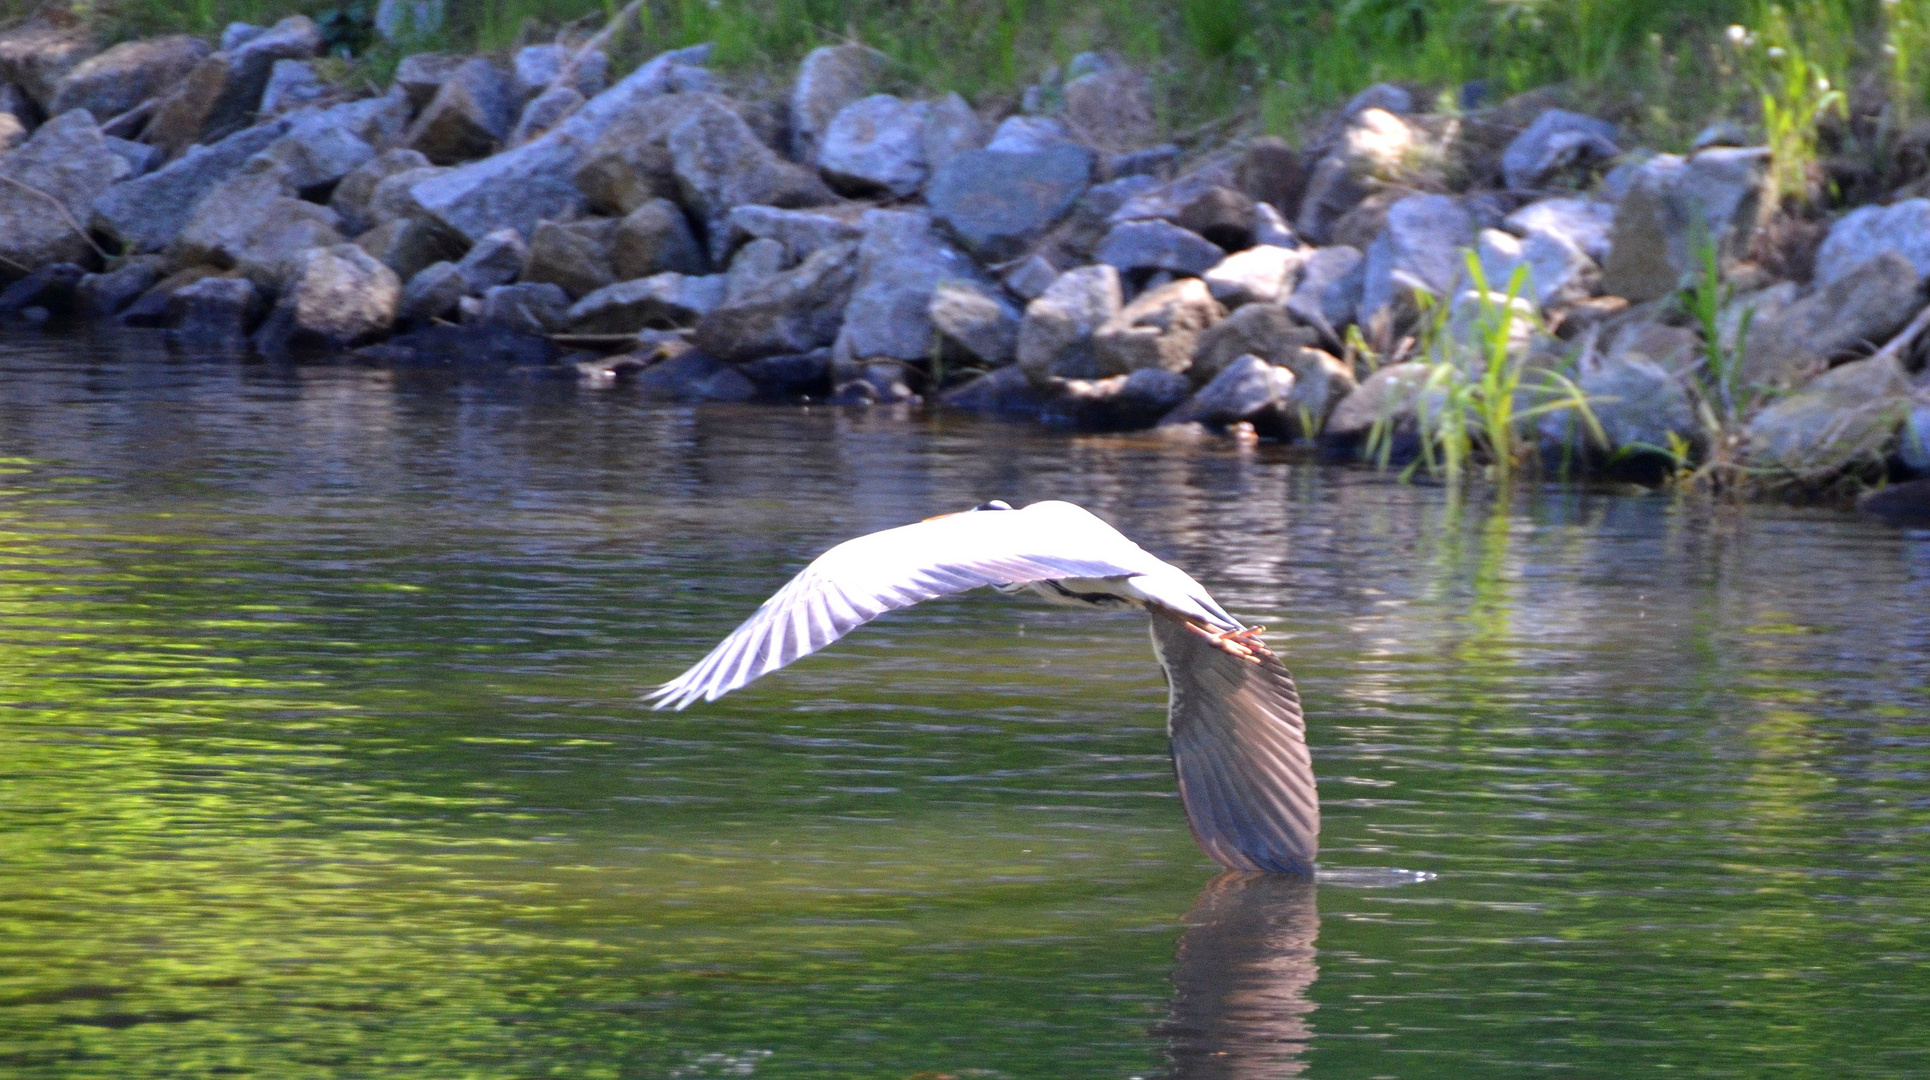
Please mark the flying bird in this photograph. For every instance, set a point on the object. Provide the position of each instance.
(1233, 716)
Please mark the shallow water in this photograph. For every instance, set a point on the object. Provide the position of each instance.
(322, 754)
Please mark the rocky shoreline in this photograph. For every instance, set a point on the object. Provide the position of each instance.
(1060, 264)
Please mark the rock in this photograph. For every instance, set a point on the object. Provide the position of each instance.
(1003, 392)
(655, 238)
(393, 197)
(1384, 96)
(1222, 215)
(1634, 391)
(468, 118)
(1557, 272)
(433, 293)
(410, 245)
(1375, 146)
(407, 20)
(720, 163)
(151, 307)
(1391, 394)
(1270, 228)
(223, 92)
(37, 54)
(469, 346)
(1150, 246)
(237, 34)
(1263, 275)
(753, 265)
(250, 222)
(536, 67)
(900, 262)
(1321, 382)
(1913, 449)
(49, 289)
(620, 175)
(1028, 135)
(951, 128)
(1261, 330)
(1902, 227)
(1055, 335)
(17, 116)
(1112, 110)
(1671, 205)
(801, 232)
(1329, 290)
(1031, 277)
(1271, 171)
(1557, 142)
(1846, 418)
(422, 74)
(213, 313)
(292, 84)
(663, 301)
(1123, 401)
(544, 112)
(1475, 317)
(1149, 200)
(110, 83)
(1858, 309)
(1420, 249)
(793, 312)
(105, 294)
(56, 176)
(316, 153)
(1248, 389)
(975, 322)
(788, 378)
(336, 297)
(828, 79)
(352, 195)
(693, 376)
(496, 259)
(1904, 505)
(1583, 223)
(997, 203)
(1158, 329)
(147, 213)
(140, 159)
(379, 121)
(575, 256)
(527, 308)
(875, 145)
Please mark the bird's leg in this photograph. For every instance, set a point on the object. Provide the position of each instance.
(1243, 643)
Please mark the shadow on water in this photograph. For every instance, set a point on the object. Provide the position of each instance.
(1241, 974)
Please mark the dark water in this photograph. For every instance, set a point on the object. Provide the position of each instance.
(321, 754)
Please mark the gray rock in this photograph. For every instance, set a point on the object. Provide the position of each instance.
(422, 74)
(1391, 395)
(1160, 328)
(1902, 227)
(1247, 390)
(292, 84)
(1112, 110)
(1376, 145)
(1557, 272)
(526, 308)
(1270, 227)
(828, 79)
(753, 265)
(147, 213)
(1846, 418)
(110, 83)
(801, 232)
(662, 301)
(432, 294)
(997, 203)
(1673, 205)
(1384, 96)
(974, 321)
(141, 159)
(337, 297)
(316, 152)
(1720, 133)
(575, 255)
(655, 238)
(536, 67)
(1122, 401)
(1557, 142)
(56, 175)
(951, 128)
(1222, 214)
(105, 294)
(1261, 330)
(1913, 448)
(801, 375)
(720, 163)
(223, 92)
(1584, 223)
(393, 197)
(875, 144)
(1329, 289)
(1031, 277)
(1273, 173)
(352, 196)
(1421, 248)
(1028, 135)
(150, 309)
(1143, 246)
(900, 262)
(793, 312)
(1858, 309)
(468, 118)
(1003, 392)
(1265, 274)
(252, 222)
(410, 245)
(1321, 382)
(1149, 200)
(37, 53)
(213, 313)
(496, 259)
(48, 291)
(619, 175)
(1154, 162)
(1055, 335)
(544, 112)
(236, 34)
(1635, 391)
(693, 376)
(379, 121)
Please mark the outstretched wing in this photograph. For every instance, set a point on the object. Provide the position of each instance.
(1239, 749)
(861, 579)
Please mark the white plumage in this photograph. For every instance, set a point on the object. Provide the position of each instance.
(1239, 745)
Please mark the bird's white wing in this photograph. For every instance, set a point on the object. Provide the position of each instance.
(1239, 749)
(861, 579)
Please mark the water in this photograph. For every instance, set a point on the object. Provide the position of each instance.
(322, 754)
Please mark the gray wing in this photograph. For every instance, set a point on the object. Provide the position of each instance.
(1239, 750)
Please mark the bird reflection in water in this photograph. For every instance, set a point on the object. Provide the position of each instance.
(1240, 979)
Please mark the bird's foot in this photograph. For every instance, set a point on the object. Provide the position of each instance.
(1243, 643)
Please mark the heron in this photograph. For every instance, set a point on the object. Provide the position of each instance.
(1233, 718)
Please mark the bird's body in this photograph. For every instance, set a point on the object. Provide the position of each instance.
(1238, 740)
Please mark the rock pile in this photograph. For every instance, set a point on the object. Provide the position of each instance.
(844, 243)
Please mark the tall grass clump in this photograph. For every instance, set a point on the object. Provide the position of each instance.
(1795, 91)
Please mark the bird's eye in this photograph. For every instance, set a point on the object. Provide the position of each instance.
(995, 504)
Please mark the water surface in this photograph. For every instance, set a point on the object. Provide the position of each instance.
(322, 754)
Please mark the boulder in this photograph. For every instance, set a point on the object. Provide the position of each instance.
(1375, 146)
(37, 54)
(1846, 418)
(54, 179)
(432, 294)
(496, 259)
(466, 347)
(151, 307)
(1258, 275)
(1159, 329)
(468, 118)
(828, 79)
(315, 153)
(1856, 310)
(792, 312)
(653, 239)
(1329, 289)
(1154, 163)
(47, 291)
(1635, 391)
(1671, 207)
(788, 378)
(335, 297)
(1271, 171)
(1390, 395)
(544, 112)
(1149, 246)
(292, 84)
(575, 256)
(619, 175)
(529, 307)
(223, 92)
(1863, 233)
(146, 213)
(1906, 505)
(251, 222)
(801, 232)
(410, 245)
(693, 376)
(1321, 381)
(875, 145)
(1032, 276)
(1246, 390)
(1582, 223)
(1557, 272)
(1261, 330)
(1121, 402)
(394, 196)
(974, 322)
(1003, 392)
(213, 313)
(379, 121)
(753, 265)
(1421, 248)
(108, 293)
(1224, 215)
(720, 163)
(1557, 142)
(420, 75)
(110, 83)
(352, 195)
(535, 68)
(901, 261)
(1913, 447)
(997, 203)
(662, 301)
(1055, 336)
(1384, 96)
(1269, 227)
(141, 159)
(1028, 135)
(1111, 109)
(951, 128)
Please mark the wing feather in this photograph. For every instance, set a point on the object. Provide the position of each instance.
(1239, 750)
(861, 579)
